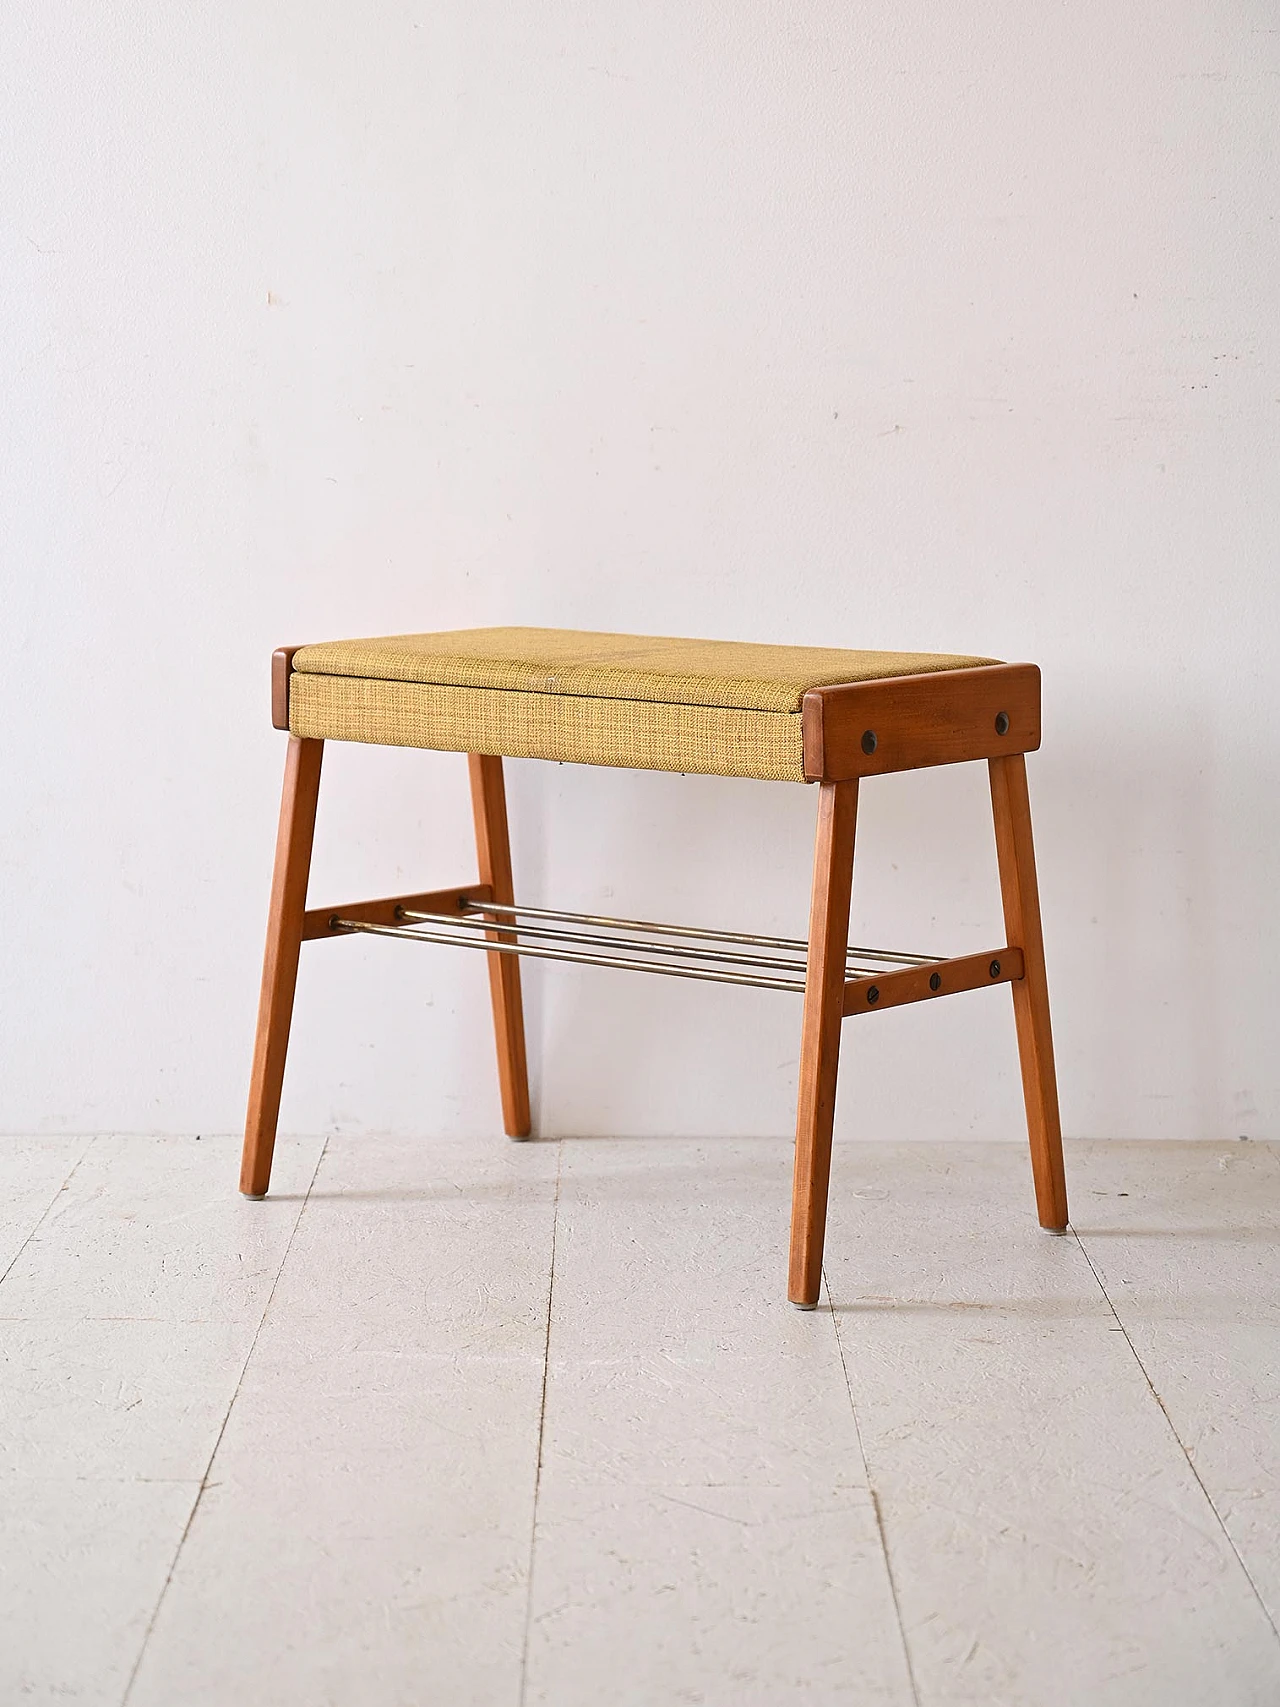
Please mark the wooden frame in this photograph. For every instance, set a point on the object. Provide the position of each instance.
(331, 921)
(849, 732)
(290, 924)
(1019, 889)
(280, 962)
(820, 1037)
(927, 983)
(281, 670)
(909, 722)
(493, 849)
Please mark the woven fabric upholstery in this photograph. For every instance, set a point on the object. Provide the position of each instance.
(712, 740)
(615, 666)
(722, 708)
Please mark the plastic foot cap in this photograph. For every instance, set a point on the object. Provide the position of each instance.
(254, 1196)
(796, 1304)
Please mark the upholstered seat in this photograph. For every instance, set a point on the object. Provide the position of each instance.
(720, 707)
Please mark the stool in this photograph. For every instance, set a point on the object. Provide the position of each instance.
(720, 708)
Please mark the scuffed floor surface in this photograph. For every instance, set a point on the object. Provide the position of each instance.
(484, 1423)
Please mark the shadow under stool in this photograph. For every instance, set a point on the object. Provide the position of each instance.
(718, 708)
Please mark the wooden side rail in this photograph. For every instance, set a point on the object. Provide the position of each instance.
(908, 722)
(923, 983)
(321, 921)
(281, 670)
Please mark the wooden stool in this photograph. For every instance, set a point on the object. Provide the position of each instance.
(721, 708)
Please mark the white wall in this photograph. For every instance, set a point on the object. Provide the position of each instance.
(873, 325)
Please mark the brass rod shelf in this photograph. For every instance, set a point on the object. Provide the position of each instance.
(758, 962)
(891, 955)
(602, 939)
(415, 933)
(541, 933)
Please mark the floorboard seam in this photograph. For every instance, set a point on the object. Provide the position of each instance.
(48, 1209)
(542, 1420)
(1182, 1445)
(875, 1502)
(222, 1429)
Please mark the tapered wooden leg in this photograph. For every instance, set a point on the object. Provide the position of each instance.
(280, 963)
(1016, 853)
(820, 1045)
(493, 846)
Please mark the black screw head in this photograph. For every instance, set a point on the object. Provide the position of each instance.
(869, 742)
(994, 969)
(873, 995)
(935, 980)
(1002, 722)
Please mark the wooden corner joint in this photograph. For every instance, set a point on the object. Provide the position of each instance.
(281, 670)
(941, 978)
(318, 922)
(903, 723)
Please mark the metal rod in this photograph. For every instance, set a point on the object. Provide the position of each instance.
(881, 954)
(598, 939)
(416, 934)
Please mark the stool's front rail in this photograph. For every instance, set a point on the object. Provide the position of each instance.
(469, 918)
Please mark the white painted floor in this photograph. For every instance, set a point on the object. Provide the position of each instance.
(484, 1423)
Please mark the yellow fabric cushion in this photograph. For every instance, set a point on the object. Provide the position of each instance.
(731, 673)
(720, 707)
(578, 729)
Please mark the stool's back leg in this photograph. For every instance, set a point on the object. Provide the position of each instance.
(820, 1045)
(1015, 850)
(280, 963)
(493, 846)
